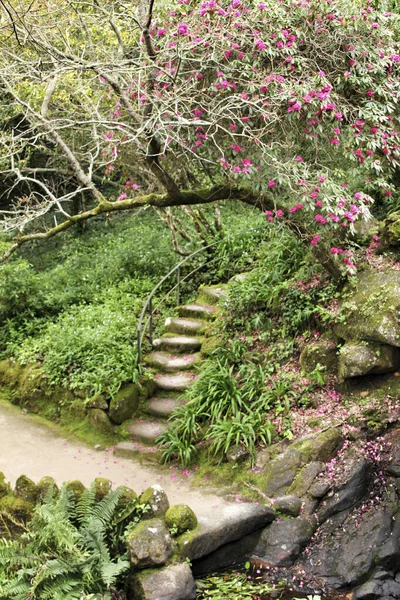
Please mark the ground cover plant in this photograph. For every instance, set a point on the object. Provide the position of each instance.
(72, 548)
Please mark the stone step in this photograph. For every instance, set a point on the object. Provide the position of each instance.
(177, 382)
(146, 432)
(181, 325)
(213, 294)
(144, 454)
(198, 311)
(163, 407)
(177, 343)
(170, 363)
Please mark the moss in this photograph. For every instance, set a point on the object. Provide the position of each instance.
(128, 495)
(156, 499)
(210, 344)
(45, 486)
(180, 518)
(321, 446)
(14, 513)
(125, 403)
(4, 486)
(10, 372)
(102, 486)
(76, 487)
(26, 489)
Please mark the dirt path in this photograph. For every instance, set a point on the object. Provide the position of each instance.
(33, 449)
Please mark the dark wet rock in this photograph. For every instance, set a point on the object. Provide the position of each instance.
(149, 544)
(322, 353)
(393, 467)
(171, 583)
(305, 478)
(282, 542)
(355, 479)
(289, 506)
(368, 591)
(348, 555)
(280, 472)
(229, 524)
(229, 555)
(365, 358)
(157, 501)
(319, 489)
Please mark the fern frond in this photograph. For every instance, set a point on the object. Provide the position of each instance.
(110, 571)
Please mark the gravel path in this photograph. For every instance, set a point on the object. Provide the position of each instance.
(33, 449)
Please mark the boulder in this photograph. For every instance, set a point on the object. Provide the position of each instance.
(76, 488)
(375, 313)
(26, 489)
(102, 486)
(4, 485)
(181, 518)
(280, 472)
(355, 477)
(171, 583)
(305, 478)
(349, 553)
(319, 446)
(45, 486)
(229, 524)
(157, 501)
(149, 544)
(125, 403)
(100, 421)
(356, 360)
(289, 506)
(282, 542)
(322, 353)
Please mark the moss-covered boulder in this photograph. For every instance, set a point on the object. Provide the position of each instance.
(372, 309)
(125, 403)
(102, 487)
(322, 353)
(150, 544)
(98, 401)
(26, 489)
(180, 518)
(100, 421)
(279, 473)
(320, 446)
(156, 499)
(76, 488)
(127, 495)
(45, 486)
(15, 512)
(4, 485)
(356, 360)
(389, 230)
(210, 344)
(175, 581)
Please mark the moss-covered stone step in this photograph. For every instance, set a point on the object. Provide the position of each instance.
(212, 294)
(163, 407)
(181, 325)
(170, 363)
(178, 382)
(198, 311)
(178, 343)
(146, 432)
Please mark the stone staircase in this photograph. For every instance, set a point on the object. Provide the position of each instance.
(174, 362)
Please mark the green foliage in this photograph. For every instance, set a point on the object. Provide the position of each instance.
(225, 586)
(71, 548)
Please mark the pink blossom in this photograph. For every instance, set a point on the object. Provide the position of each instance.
(375, 25)
(315, 240)
(161, 32)
(335, 141)
(182, 28)
(279, 213)
(336, 250)
(320, 219)
(271, 183)
(299, 159)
